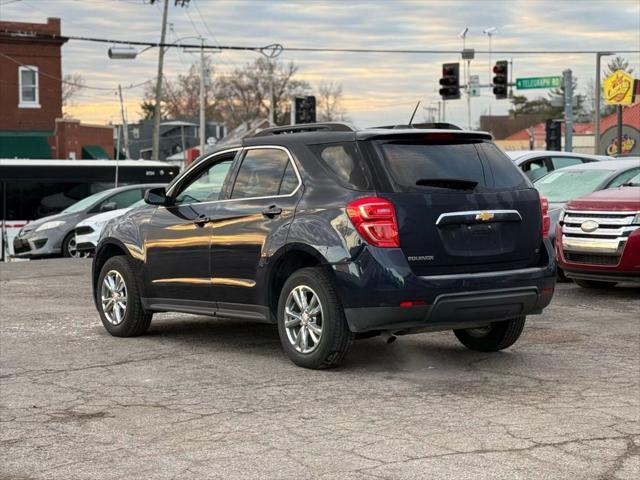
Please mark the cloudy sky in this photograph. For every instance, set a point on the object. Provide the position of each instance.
(378, 88)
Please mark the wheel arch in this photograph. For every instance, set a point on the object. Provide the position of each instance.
(107, 249)
(287, 260)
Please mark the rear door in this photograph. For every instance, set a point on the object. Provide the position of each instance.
(462, 206)
(253, 222)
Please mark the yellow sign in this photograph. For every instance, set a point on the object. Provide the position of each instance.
(618, 88)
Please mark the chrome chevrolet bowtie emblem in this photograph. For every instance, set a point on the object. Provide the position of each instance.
(589, 226)
(484, 216)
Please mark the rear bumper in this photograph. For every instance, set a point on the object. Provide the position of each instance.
(372, 294)
(449, 311)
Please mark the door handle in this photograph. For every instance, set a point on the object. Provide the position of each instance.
(272, 211)
(202, 220)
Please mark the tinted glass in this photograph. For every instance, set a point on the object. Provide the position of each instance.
(122, 199)
(559, 162)
(289, 180)
(565, 185)
(27, 200)
(207, 185)
(505, 173)
(344, 161)
(630, 176)
(535, 169)
(409, 162)
(261, 173)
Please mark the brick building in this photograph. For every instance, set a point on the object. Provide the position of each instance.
(31, 124)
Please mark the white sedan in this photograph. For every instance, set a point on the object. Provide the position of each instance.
(537, 163)
(88, 231)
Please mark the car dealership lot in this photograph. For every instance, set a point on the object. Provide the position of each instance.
(210, 398)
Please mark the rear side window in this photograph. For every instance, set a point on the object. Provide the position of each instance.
(344, 162)
(561, 162)
(264, 172)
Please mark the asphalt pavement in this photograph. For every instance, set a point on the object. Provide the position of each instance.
(203, 398)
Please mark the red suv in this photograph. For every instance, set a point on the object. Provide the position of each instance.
(598, 238)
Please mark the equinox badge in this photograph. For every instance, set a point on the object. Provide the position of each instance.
(485, 216)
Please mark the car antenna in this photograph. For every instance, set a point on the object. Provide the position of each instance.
(414, 113)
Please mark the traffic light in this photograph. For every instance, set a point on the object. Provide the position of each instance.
(450, 81)
(553, 134)
(304, 110)
(501, 79)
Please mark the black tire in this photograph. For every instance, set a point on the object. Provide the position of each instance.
(135, 320)
(562, 278)
(594, 284)
(497, 336)
(336, 338)
(68, 245)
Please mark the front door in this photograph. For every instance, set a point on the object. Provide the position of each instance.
(253, 222)
(178, 235)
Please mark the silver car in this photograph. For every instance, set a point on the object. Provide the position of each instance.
(537, 163)
(55, 235)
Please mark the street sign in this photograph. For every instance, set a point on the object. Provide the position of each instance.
(538, 82)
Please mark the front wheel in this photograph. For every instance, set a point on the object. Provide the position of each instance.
(492, 338)
(118, 299)
(311, 323)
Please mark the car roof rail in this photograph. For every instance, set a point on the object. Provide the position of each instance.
(427, 126)
(307, 127)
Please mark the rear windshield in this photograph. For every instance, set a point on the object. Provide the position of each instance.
(409, 163)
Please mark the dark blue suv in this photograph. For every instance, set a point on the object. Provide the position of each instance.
(334, 233)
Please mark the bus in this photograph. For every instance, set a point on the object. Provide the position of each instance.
(32, 189)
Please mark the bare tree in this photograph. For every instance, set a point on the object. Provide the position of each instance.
(329, 107)
(243, 94)
(72, 83)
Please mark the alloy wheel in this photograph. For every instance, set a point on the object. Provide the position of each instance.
(113, 296)
(303, 319)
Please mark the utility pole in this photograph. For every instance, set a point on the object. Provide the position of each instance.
(125, 129)
(155, 148)
(598, 92)
(568, 110)
(203, 123)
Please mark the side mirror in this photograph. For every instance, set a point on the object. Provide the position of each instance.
(109, 206)
(155, 196)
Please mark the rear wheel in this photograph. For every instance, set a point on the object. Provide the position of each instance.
(311, 324)
(118, 299)
(492, 338)
(594, 284)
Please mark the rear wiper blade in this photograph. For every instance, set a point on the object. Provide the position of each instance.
(451, 183)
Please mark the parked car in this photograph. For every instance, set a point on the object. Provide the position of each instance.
(598, 242)
(55, 235)
(332, 233)
(537, 163)
(88, 230)
(573, 182)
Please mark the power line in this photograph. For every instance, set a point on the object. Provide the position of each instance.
(309, 49)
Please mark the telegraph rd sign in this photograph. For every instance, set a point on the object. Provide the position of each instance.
(538, 82)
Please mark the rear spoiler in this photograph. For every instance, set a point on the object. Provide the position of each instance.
(416, 134)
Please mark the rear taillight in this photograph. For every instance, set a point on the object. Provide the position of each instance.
(375, 220)
(544, 212)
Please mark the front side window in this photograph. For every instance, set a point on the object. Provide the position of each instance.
(207, 185)
(265, 172)
(28, 84)
(535, 169)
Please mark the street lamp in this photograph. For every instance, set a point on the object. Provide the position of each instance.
(490, 32)
(270, 52)
(130, 53)
(599, 55)
(467, 72)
